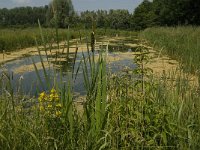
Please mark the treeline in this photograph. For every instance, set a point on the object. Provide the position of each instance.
(22, 16)
(61, 13)
(28, 16)
(167, 13)
(114, 19)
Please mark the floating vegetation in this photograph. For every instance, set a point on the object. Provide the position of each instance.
(131, 110)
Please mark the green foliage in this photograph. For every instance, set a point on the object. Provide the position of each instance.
(14, 39)
(60, 13)
(165, 12)
(177, 12)
(143, 15)
(20, 16)
(116, 113)
(181, 43)
(114, 19)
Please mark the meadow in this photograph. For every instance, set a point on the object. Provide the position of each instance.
(133, 110)
(15, 38)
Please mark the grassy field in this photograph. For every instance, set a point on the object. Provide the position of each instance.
(15, 38)
(119, 112)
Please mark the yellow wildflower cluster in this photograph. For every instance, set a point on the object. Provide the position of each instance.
(50, 104)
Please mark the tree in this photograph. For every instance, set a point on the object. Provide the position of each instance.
(22, 16)
(101, 18)
(192, 11)
(143, 16)
(60, 13)
(119, 19)
(166, 13)
(176, 12)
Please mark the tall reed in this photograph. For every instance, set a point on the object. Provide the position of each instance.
(181, 43)
(116, 113)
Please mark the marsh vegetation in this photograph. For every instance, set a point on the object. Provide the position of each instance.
(131, 109)
(136, 90)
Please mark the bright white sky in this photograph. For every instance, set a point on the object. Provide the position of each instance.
(79, 5)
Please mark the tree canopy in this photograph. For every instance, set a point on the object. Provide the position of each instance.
(61, 13)
(23, 16)
(167, 13)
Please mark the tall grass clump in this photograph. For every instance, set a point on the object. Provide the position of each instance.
(181, 43)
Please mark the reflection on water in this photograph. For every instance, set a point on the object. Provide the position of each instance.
(59, 71)
(121, 48)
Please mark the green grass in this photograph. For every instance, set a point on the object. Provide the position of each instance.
(120, 112)
(15, 39)
(181, 43)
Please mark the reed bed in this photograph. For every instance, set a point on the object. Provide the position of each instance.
(181, 43)
(119, 111)
(15, 38)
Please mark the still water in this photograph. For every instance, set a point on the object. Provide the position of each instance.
(28, 82)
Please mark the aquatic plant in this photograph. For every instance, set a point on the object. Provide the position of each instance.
(119, 111)
(184, 46)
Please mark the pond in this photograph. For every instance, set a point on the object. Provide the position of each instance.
(24, 78)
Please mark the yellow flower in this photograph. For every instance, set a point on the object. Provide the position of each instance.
(42, 97)
(50, 106)
(53, 91)
(42, 94)
(54, 97)
(58, 113)
(51, 97)
(41, 108)
(59, 105)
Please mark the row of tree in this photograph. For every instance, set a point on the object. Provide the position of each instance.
(167, 13)
(61, 13)
(57, 14)
(22, 16)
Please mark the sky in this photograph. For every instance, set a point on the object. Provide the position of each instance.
(79, 5)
